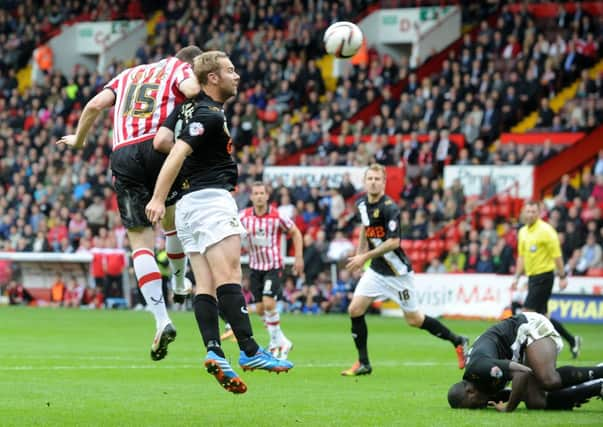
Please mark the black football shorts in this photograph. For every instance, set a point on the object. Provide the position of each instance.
(135, 170)
(265, 283)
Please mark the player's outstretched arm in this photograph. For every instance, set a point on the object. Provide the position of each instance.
(298, 247)
(155, 209)
(104, 99)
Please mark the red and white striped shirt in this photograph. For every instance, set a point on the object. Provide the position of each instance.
(264, 235)
(144, 96)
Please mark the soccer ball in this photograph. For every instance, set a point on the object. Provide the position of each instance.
(343, 39)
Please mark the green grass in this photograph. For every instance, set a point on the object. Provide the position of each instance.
(71, 367)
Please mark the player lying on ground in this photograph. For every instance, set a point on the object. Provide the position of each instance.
(494, 360)
(535, 397)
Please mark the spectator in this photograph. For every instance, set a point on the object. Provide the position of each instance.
(57, 292)
(484, 265)
(502, 257)
(74, 293)
(597, 193)
(591, 255)
(488, 188)
(586, 186)
(565, 190)
(455, 260)
(473, 258)
(313, 259)
(598, 169)
(18, 295)
(435, 266)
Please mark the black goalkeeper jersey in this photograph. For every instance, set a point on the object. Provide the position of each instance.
(487, 364)
(381, 221)
(201, 123)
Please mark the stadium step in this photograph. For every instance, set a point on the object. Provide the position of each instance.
(568, 93)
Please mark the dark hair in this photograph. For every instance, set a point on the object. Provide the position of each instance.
(456, 395)
(188, 54)
(260, 184)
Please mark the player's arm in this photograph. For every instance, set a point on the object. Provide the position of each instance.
(190, 87)
(164, 140)
(357, 261)
(555, 250)
(155, 209)
(165, 136)
(518, 390)
(519, 265)
(362, 242)
(389, 245)
(298, 248)
(102, 100)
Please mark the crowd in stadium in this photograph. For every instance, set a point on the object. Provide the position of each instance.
(52, 199)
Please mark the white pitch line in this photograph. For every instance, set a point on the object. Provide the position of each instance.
(199, 365)
(386, 363)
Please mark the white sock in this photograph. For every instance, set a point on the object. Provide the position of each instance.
(273, 323)
(176, 257)
(149, 282)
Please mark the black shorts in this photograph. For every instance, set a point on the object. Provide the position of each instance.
(540, 287)
(265, 283)
(135, 170)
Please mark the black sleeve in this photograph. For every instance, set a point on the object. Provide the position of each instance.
(392, 222)
(487, 369)
(201, 127)
(172, 119)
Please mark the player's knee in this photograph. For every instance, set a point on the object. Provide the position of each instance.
(414, 322)
(269, 304)
(414, 319)
(355, 311)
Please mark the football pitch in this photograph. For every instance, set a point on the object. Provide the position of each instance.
(75, 367)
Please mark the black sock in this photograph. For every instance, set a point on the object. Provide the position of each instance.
(563, 332)
(570, 397)
(572, 375)
(360, 334)
(206, 313)
(232, 304)
(437, 328)
(221, 314)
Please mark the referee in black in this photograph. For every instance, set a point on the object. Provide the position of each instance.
(539, 255)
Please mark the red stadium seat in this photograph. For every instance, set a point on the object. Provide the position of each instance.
(418, 245)
(595, 272)
(406, 244)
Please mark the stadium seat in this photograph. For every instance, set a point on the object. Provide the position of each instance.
(406, 244)
(595, 272)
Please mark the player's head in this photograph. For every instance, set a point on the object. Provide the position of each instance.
(531, 212)
(188, 54)
(217, 75)
(259, 195)
(374, 180)
(465, 395)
